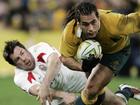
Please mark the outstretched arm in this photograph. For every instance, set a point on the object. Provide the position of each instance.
(53, 67)
(67, 97)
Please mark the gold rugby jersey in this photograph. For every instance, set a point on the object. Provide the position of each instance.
(113, 35)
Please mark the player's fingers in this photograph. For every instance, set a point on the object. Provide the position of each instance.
(43, 101)
(51, 97)
(37, 98)
(49, 100)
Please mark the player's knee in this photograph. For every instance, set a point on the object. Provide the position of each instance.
(92, 92)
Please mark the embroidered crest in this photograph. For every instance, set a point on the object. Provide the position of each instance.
(42, 67)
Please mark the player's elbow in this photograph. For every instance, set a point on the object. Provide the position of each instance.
(63, 59)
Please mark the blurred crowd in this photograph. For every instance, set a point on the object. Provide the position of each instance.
(40, 15)
(50, 14)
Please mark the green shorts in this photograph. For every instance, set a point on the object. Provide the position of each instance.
(117, 60)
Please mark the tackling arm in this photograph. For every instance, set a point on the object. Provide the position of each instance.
(53, 68)
(71, 63)
(67, 97)
(53, 64)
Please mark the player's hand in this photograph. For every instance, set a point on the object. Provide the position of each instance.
(44, 94)
(69, 98)
(89, 63)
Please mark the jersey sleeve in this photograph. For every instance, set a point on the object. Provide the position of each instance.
(69, 42)
(44, 50)
(120, 24)
(25, 81)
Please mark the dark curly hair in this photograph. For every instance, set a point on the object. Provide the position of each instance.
(84, 8)
(9, 48)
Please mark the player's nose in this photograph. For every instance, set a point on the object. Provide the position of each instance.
(90, 27)
(23, 58)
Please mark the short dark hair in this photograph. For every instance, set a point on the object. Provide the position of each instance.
(84, 8)
(9, 48)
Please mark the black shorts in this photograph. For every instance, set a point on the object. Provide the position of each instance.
(117, 60)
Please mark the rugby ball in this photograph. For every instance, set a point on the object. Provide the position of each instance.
(87, 48)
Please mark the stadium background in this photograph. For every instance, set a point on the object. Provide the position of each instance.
(47, 29)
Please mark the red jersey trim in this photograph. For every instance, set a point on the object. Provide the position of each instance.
(30, 77)
(39, 57)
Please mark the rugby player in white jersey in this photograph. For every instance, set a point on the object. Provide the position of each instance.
(40, 72)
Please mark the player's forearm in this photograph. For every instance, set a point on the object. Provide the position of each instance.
(71, 63)
(52, 70)
(59, 94)
(35, 89)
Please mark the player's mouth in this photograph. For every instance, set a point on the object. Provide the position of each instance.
(92, 35)
(28, 63)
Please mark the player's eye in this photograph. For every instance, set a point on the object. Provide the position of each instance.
(21, 53)
(85, 24)
(93, 22)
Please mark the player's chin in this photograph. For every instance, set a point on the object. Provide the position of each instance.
(29, 68)
(91, 36)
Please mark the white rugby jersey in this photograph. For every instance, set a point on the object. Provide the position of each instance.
(65, 80)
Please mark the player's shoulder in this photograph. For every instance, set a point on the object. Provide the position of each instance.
(38, 47)
(109, 19)
(19, 75)
(102, 11)
(106, 13)
(20, 72)
(40, 44)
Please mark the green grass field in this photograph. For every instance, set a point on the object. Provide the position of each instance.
(12, 95)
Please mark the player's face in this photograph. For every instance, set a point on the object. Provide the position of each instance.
(90, 25)
(23, 58)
